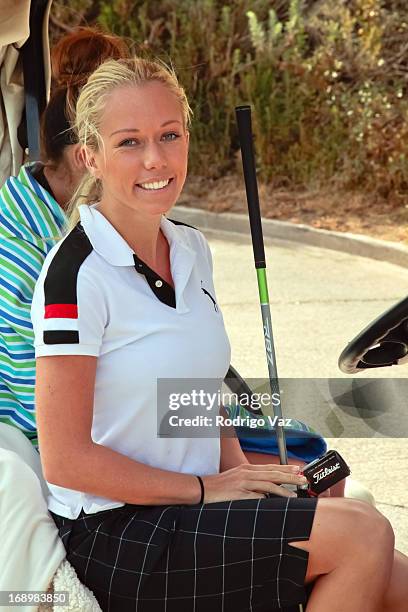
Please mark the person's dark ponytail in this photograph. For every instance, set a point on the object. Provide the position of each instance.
(73, 60)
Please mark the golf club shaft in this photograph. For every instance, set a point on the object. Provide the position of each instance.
(243, 114)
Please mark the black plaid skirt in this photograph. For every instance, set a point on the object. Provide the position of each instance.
(219, 557)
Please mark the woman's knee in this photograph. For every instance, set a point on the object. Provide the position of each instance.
(347, 531)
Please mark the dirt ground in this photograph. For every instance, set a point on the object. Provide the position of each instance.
(329, 209)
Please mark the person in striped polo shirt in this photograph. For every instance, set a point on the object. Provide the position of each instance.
(30, 223)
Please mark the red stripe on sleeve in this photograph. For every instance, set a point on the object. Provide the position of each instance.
(61, 311)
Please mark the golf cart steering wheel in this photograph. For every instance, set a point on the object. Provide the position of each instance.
(382, 343)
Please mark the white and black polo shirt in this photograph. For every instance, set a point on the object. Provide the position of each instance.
(95, 297)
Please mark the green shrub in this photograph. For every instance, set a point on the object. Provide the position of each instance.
(326, 80)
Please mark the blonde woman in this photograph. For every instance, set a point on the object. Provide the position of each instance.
(175, 524)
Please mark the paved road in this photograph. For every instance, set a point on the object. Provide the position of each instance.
(320, 299)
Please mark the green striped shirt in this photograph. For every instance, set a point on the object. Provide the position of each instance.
(31, 222)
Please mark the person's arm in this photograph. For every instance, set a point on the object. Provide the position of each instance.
(64, 403)
(232, 454)
(20, 281)
(22, 256)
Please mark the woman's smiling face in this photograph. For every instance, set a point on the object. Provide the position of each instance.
(143, 161)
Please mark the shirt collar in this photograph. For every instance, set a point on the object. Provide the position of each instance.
(108, 243)
(104, 238)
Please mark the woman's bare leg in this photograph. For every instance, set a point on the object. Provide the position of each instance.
(351, 551)
(396, 597)
(337, 490)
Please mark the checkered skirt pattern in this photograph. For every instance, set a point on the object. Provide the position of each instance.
(218, 557)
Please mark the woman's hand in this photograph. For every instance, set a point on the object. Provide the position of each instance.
(248, 481)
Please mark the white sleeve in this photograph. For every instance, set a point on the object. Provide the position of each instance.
(70, 329)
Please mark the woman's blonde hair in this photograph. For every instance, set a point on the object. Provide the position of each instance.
(90, 105)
